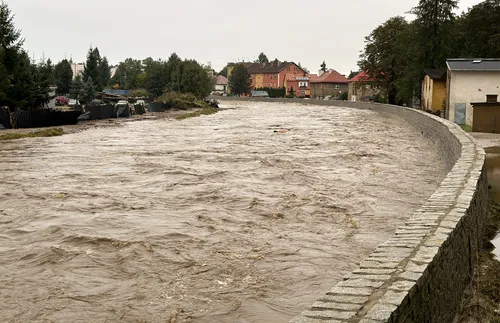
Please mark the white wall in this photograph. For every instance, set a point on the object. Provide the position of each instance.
(467, 87)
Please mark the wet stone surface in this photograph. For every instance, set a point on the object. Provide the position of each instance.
(210, 219)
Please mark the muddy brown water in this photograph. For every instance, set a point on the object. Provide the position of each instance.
(209, 219)
(493, 173)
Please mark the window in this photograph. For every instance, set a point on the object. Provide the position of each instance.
(337, 87)
(303, 92)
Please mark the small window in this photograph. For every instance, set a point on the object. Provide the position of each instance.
(337, 87)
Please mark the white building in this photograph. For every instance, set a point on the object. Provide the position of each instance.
(470, 80)
(77, 69)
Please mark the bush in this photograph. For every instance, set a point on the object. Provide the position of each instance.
(181, 100)
(273, 92)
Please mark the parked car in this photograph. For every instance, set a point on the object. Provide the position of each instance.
(61, 100)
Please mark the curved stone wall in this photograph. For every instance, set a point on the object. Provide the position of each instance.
(419, 274)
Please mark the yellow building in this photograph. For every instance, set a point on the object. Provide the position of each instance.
(434, 90)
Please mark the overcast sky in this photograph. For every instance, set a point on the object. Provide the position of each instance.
(217, 31)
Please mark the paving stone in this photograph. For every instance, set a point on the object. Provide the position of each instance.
(360, 283)
(304, 319)
(379, 265)
(409, 275)
(365, 291)
(402, 285)
(319, 305)
(375, 271)
(344, 299)
(370, 277)
(393, 297)
(381, 312)
(331, 314)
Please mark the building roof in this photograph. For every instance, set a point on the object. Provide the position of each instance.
(221, 80)
(331, 76)
(362, 77)
(436, 74)
(474, 64)
(272, 67)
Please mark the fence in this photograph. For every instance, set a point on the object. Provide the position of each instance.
(44, 118)
(5, 120)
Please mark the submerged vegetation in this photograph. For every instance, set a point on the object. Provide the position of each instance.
(197, 113)
(51, 132)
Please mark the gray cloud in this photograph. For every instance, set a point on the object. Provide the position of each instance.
(208, 31)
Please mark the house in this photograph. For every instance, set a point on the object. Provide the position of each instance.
(362, 88)
(434, 90)
(299, 84)
(77, 69)
(469, 80)
(220, 84)
(329, 83)
(269, 75)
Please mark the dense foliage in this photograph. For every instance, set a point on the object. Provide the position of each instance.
(274, 92)
(397, 52)
(240, 81)
(63, 75)
(24, 84)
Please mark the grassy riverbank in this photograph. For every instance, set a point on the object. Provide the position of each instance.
(50, 132)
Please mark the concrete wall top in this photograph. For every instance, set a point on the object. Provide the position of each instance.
(419, 274)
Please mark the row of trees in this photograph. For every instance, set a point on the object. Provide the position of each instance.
(158, 76)
(24, 84)
(397, 52)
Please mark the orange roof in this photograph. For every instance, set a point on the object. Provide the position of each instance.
(221, 80)
(362, 77)
(330, 76)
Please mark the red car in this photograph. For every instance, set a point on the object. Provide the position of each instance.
(62, 100)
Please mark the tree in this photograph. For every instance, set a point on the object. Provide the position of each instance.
(223, 72)
(63, 75)
(48, 70)
(352, 74)
(129, 74)
(386, 56)
(303, 68)
(323, 67)
(91, 68)
(87, 93)
(479, 31)
(434, 23)
(194, 79)
(240, 80)
(76, 87)
(104, 73)
(10, 53)
(262, 58)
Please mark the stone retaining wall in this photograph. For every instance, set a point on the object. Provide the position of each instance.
(419, 275)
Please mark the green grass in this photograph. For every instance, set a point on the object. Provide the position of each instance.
(52, 132)
(197, 113)
(466, 128)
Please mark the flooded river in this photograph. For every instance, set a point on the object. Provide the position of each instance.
(209, 219)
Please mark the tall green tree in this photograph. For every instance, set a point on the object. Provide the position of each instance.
(323, 66)
(479, 31)
(129, 74)
(262, 58)
(434, 21)
(240, 81)
(63, 75)
(104, 74)
(194, 79)
(91, 69)
(386, 57)
(223, 71)
(77, 87)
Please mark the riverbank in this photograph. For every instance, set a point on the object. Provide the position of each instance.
(174, 114)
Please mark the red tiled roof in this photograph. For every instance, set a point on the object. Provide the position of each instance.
(221, 80)
(362, 77)
(331, 76)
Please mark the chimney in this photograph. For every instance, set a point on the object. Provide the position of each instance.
(321, 72)
(491, 98)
